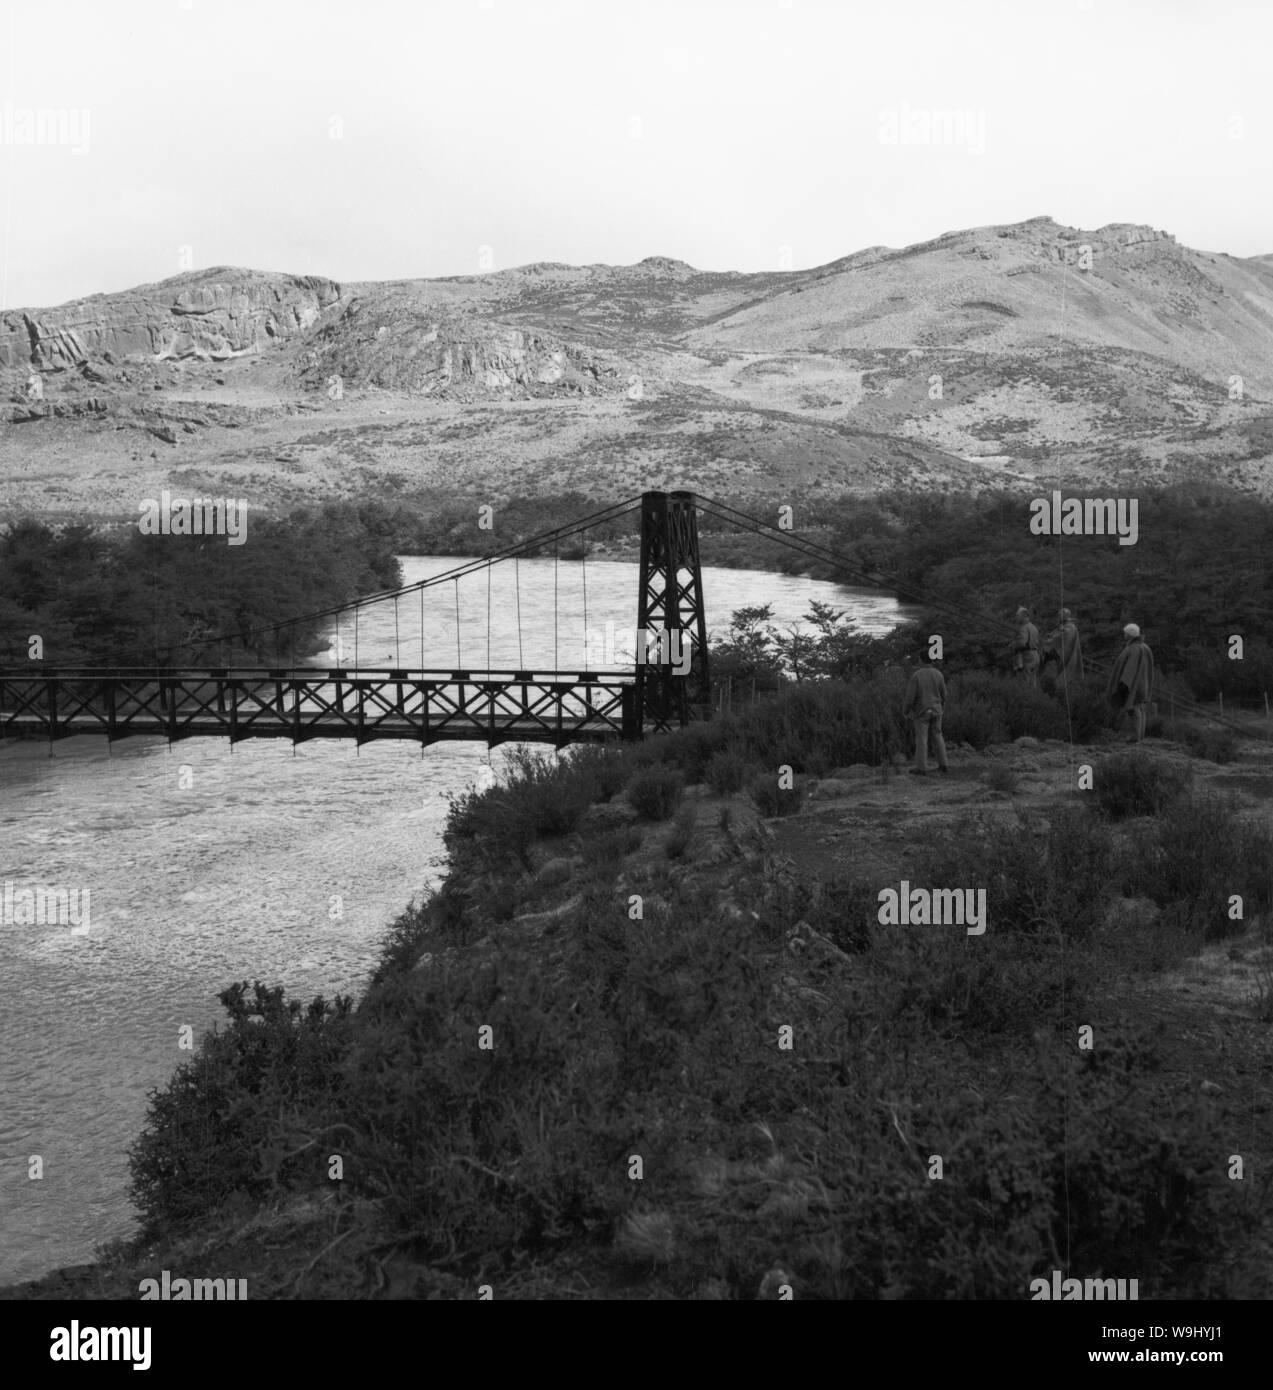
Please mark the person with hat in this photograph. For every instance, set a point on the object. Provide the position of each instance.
(1025, 647)
(1131, 682)
(1062, 647)
(923, 704)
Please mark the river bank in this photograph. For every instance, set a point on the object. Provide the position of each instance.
(659, 1038)
(208, 863)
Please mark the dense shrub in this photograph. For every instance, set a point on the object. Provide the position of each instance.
(655, 792)
(662, 1041)
(1197, 855)
(1134, 1178)
(1055, 883)
(693, 747)
(726, 773)
(605, 766)
(228, 1121)
(1217, 743)
(541, 797)
(1003, 706)
(833, 722)
(1135, 783)
(770, 798)
(403, 942)
(844, 909)
(603, 854)
(678, 843)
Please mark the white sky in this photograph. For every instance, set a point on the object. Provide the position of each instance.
(509, 124)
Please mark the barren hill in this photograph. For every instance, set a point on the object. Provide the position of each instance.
(986, 357)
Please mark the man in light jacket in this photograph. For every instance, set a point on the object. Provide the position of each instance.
(925, 698)
(1131, 682)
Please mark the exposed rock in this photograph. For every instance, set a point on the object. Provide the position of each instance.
(444, 352)
(64, 409)
(211, 314)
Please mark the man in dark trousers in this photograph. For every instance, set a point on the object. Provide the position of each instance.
(1131, 682)
(1025, 648)
(925, 699)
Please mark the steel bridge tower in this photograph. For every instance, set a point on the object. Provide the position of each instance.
(670, 601)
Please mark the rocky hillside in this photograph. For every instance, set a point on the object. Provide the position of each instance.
(401, 342)
(994, 356)
(211, 315)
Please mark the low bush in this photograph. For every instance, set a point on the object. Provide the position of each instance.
(1056, 884)
(679, 841)
(1215, 742)
(1001, 778)
(228, 1121)
(726, 773)
(541, 797)
(403, 942)
(603, 854)
(827, 723)
(1135, 783)
(1196, 857)
(986, 707)
(770, 798)
(845, 910)
(655, 792)
(606, 766)
(1133, 1171)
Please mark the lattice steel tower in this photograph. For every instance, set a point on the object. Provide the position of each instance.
(670, 601)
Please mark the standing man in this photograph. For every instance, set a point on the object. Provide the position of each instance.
(925, 698)
(1131, 682)
(1063, 647)
(1025, 648)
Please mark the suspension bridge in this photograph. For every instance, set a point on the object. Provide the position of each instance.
(667, 686)
(198, 698)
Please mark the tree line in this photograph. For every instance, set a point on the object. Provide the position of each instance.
(126, 599)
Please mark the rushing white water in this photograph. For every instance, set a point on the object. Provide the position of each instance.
(207, 864)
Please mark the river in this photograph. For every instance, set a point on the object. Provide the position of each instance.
(205, 864)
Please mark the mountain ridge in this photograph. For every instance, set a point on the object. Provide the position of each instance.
(983, 357)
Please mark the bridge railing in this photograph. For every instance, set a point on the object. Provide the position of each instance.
(303, 703)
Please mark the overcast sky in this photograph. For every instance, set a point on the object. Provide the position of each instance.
(380, 140)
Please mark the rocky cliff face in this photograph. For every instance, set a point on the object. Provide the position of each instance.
(1113, 239)
(213, 314)
(382, 341)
